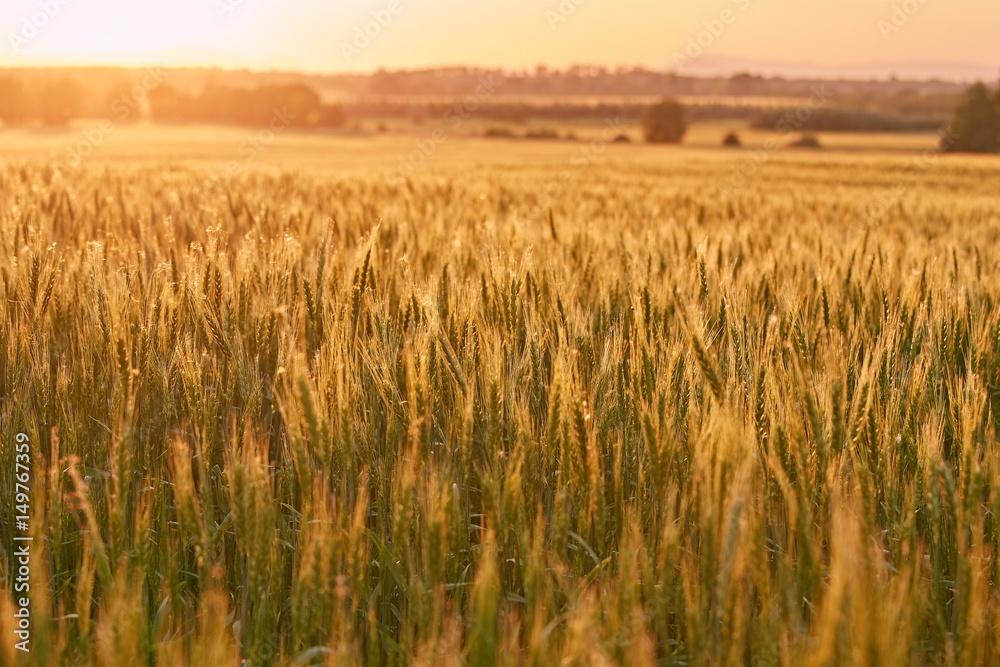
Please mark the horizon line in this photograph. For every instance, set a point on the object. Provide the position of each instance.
(758, 72)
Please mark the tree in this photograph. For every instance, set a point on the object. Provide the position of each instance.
(13, 102)
(59, 102)
(166, 105)
(996, 104)
(664, 122)
(333, 115)
(975, 125)
(299, 101)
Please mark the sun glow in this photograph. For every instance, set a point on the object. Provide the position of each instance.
(121, 32)
(319, 35)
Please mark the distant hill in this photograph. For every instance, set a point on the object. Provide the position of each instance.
(959, 72)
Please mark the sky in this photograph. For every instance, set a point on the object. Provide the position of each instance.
(863, 37)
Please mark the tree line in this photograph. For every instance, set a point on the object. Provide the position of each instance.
(49, 103)
(974, 126)
(57, 102)
(245, 106)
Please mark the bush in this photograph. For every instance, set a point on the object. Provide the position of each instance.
(664, 123)
(498, 133)
(732, 139)
(621, 139)
(543, 133)
(806, 141)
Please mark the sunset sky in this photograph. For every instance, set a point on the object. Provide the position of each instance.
(315, 35)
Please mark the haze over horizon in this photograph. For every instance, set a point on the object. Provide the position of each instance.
(952, 39)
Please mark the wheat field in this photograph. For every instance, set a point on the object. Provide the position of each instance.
(505, 415)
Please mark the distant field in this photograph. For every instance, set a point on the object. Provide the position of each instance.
(539, 403)
(366, 148)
